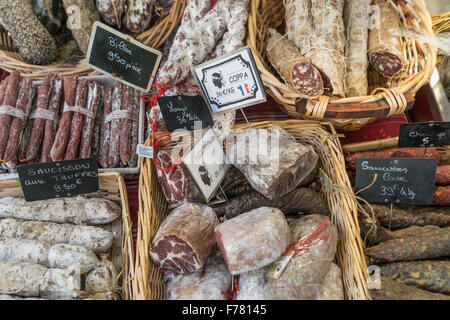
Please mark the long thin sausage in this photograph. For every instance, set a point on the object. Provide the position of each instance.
(62, 136)
(77, 121)
(9, 99)
(135, 128)
(125, 126)
(88, 122)
(50, 125)
(24, 100)
(37, 133)
(106, 132)
(113, 154)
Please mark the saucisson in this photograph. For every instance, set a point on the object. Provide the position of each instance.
(50, 125)
(111, 11)
(77, 120)
(106, 132)
(26, 136)
(37, 132)
(441, 196)
(135, 128)
(62, 135)
(95, 91)
(12, 90)
(125, 126)
(139, 15)
(113, 152)
(443, 175)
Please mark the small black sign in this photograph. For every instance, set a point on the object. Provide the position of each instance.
(231, 82)
(399, 180)
(121, 57)
(181, 112)
(58, 179)
(424, 134)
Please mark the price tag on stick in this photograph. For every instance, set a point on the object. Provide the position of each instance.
(231, 82)
(424, 134)
(58, 179)
(396, 180)
(121, 57)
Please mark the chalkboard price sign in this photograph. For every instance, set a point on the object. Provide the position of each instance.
(424, 134)
(121, 57)
(396, 180)
(182, 112)
(58, 179)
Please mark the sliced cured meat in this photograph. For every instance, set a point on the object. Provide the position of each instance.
(185, 239)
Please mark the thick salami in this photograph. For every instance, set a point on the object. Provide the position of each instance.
(393, 290)
(77, 121)
(51, 125)
(24, 101)
(62, 136)
(185, 239)
(333, 288)
(385, 47)
(113, 158)
(356, 18)
(37, 133)
(295, 69)
(106, 132)
(111, 11)
(9, 99)
(94, 95)
(139, 15)
(253, 239)
(441, 196)
(125, 126)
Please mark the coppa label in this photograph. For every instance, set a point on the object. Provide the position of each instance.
(120, 56)
(58, 179)
(424, 134)
(231, 82)
(206, 164)
(182, 112)
(396, 180)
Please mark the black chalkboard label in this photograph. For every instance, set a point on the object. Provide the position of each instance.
(121, 57)
(182, 112)
(58, 179)
(424, 134)
(399, 180)
(231, 82)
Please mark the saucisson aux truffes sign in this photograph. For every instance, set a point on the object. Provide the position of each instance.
(121, 57)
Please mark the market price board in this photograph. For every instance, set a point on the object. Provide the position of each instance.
(396, 180)
(58, 179)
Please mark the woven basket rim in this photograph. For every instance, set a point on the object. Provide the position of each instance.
(287, 96)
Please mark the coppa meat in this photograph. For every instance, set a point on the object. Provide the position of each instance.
(253, 240)
(185, 239)
(205, 284)
(176, 184)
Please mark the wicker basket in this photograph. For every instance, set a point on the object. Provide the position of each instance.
(70, 60)
(354, 112)
(153, 208)
(112, 187)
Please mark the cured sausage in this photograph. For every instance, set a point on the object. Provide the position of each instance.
(106, 132)
(62, 135)
(77, 121)
(441, 196)
(393, 290)
(139, 15)
(51, 125)
(134, 128)
(95, 92)
(113, 152)
(125, 126)
(443, 175)
(111, 11)
(9, 99)
(37, 133)
(385, 47)
(24, 101)
(26, 137)
(295, 69)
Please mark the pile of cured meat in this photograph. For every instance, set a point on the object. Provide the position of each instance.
(67, 118)
(409, 246)
(226, 251)
(329, 46)
(67, 248)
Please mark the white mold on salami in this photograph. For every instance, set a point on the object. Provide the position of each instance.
(253, 239)
(251, 284)
(185, 239)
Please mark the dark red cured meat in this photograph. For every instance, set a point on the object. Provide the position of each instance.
(37, 133)
(88, 122)
(307, 79)
(26, 137)
(388, 64)
(25, 96)
(134, 128)
(441, 196)
(106, 132)
(62, 135)
(114, 143)
(51, 126)
(443, 175)
(185, 239)
(77, 121)
(393, 153)
(125, 126)
(12, 90)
